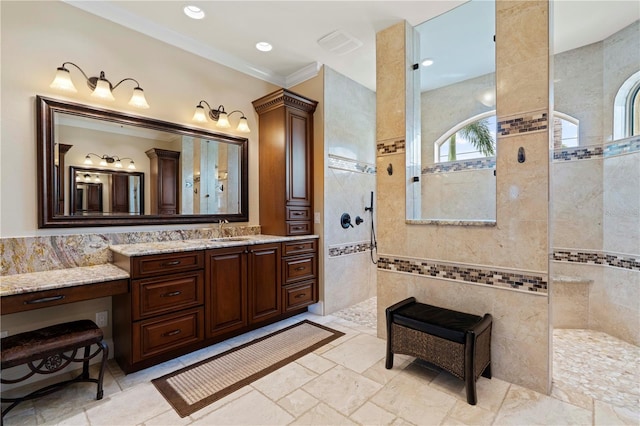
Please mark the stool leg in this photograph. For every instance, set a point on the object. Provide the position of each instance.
(105, 354)
(85, 363)
(389, 362)
(487, 372)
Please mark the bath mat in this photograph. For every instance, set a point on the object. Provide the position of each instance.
(196, 386)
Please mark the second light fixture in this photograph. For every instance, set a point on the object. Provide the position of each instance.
(220, 116)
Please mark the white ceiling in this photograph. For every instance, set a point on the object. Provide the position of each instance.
(231, 29)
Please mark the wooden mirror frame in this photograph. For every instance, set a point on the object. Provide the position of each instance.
(45, 110)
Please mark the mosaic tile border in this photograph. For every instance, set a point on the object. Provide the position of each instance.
(391, 146)
(530, 283)
(610, 149)
(349, 248)
(462, 165)
(342, 163)
(623, 261)
(530, 122)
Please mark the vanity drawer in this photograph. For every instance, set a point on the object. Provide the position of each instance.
(298, 213)
(298, 247)
(299, 228)
(298, 295)
(155, 336)
(299, 268)
(161, 295)
(145, 266)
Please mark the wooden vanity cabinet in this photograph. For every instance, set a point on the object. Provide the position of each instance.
(164, 177)
(286, 163)
(300, 274)
(181, 302)
(163, 315)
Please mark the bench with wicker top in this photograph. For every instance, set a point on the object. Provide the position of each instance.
(50, 349)
(457, 342)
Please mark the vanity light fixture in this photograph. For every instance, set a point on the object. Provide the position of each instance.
(220, 116)
(102, 88)
(106, 160)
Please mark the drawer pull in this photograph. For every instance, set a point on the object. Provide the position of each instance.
(297, 227)
(297, 213)
(172, 333)
(299, 248)
(44, 299)
(298, 296)
(300, 268)
(172, 263)
(172, 293)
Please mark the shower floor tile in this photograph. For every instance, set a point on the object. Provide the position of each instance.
(598, 365)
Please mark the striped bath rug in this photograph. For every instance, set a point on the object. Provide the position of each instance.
(196, 386)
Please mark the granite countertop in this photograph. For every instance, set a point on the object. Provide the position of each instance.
(59, 278)
(142, 249)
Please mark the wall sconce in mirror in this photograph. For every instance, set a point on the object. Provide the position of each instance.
(102, 88)
(220, 116)
(106, 160)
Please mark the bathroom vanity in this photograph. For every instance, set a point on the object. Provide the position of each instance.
(189, 294)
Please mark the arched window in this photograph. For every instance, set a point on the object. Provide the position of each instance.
(626, 109)
(472, 138)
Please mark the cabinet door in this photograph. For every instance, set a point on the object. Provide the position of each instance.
(226, 290)
(299, 148)
(264, 282)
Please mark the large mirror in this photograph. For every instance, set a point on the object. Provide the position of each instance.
(104, 168)
(457, 117)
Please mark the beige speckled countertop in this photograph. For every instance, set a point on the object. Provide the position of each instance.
(142, 249)
(59, 278)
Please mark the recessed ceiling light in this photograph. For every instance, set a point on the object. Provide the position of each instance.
(193, 12)
(427, 62)
(263, 46)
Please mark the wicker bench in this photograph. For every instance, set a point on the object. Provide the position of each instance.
(457, 342)
(50, 349)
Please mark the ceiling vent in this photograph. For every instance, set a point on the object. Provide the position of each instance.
(340, 42)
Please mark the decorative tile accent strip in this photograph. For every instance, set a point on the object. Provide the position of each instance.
(577, 153)
(527, 123)
(624, 261)
(466, 273)
(391, 146)
(37, 254)
(611, 149)
(457, 166)
(350, 248)
(342, 163)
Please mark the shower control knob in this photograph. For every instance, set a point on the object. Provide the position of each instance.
(345, 220)
(359, 220)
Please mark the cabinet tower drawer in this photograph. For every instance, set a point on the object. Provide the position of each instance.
(155, 336)
(298, 247)
(146, 266)
(299, 268)
(161, 295)
(298, 295)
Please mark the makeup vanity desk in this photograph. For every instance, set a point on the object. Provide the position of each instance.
(36, 290)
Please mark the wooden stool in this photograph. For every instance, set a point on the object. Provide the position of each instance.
(457, 342)
(51, 349)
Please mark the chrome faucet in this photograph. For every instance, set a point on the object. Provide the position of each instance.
(220, 225)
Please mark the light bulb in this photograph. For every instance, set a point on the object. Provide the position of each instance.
(103, 91)
(199, 116)
(223, 121)
(62, 81)
(243, 125)
(137, 99)
(87, 160)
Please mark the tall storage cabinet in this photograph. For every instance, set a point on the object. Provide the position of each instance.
(165, 175)
(286, 163)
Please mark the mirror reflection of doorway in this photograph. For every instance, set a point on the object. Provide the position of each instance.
(88, 198)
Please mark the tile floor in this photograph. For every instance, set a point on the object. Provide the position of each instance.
(342, 383)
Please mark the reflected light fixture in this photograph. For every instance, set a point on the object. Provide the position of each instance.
(106, 160)
(102, 88)
(220, 116)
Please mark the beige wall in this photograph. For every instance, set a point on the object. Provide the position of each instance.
(520, 341)
(37, 37)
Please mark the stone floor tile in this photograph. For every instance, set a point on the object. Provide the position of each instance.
(322, 415)
(250, 409)
(342, 389)
(470, 414)
(358, 353)
(572, 396)
(284, 380)
(315, 363)
(168, 418)
(371, 414)
(526, 407)
(298, 402)
(607, 414)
